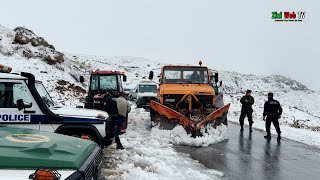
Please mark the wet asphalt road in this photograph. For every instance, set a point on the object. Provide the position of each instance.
(247, 157)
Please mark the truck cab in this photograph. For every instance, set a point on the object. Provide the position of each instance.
(24, 102)
(176, 81)
(187, 98)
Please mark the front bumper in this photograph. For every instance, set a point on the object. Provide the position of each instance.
(145, 101)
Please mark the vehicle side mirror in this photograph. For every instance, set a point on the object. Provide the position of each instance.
(216, 78)
(124, 78)
(20, 104)
(220, 83)
(151, 75)
(81, 79)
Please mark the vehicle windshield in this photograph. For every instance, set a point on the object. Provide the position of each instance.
(186, 75)
(108, 83)
(147, 88)
(44, 94)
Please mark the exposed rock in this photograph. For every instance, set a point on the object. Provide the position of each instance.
(24, 36)
(27, 53)
(51, 46)
(65, 86)
(21, 39)
(58, 57)
(25, 32)
(42, 42)
(35, 42)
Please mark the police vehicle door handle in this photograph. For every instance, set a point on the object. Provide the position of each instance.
(29, 112)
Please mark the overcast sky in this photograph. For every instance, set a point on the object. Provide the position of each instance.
(229, 35)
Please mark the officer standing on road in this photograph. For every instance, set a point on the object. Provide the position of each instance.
(246, 110)
(124, 108)
(273, 111)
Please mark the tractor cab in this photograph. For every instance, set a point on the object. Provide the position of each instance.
(101, 83)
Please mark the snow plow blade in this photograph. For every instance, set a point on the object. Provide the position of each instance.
(169, 118)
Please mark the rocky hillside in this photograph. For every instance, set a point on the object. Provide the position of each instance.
(25, 51)
(27, 44)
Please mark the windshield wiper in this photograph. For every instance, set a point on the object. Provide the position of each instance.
(48, 102)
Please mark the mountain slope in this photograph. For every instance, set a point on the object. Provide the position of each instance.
(61, 79)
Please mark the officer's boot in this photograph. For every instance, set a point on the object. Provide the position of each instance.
(241, 129)
(250, 127)
(279, 137)
(268, 136)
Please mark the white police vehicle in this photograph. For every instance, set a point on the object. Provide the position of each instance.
(24, 102)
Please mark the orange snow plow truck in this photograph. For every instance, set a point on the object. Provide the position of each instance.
(187, 97)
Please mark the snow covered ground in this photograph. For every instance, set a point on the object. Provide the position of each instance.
(149, 153)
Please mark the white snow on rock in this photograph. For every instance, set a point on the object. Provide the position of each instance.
(151, 156)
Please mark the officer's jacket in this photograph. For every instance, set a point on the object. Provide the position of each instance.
(247, 102)
(272, 107)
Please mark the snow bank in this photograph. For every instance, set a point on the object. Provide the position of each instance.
(149, 155)
(179, 136)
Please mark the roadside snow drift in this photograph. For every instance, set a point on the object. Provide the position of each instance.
(150, 154)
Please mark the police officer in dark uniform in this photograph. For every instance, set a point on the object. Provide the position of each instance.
(246, 110)
(273, 111)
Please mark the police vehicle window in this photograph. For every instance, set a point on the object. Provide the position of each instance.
(11, 92)
(20, 92)
(44, 94)
(2, 90)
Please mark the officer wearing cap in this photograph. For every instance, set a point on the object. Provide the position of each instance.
(246, 110)
(273, 111)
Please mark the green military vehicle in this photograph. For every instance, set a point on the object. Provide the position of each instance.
(33, 154)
